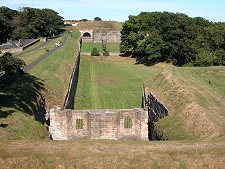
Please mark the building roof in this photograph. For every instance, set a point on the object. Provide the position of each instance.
(16, 43)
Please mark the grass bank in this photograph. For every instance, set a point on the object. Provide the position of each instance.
(195, 99)
(19, 101)
(56, 70)
(19, 107)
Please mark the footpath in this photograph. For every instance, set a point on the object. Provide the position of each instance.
(27, 68)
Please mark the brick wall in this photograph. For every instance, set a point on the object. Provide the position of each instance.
(98, 124)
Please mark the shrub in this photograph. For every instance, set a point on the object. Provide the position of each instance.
(10, 64)
(95, 52)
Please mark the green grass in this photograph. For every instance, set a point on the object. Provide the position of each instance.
(196, 107)
(20, 125)
(111, 47)
(56, 70)
(34, 46)
(18, 101)
(110, 82)
(34, 55)
(18, 107)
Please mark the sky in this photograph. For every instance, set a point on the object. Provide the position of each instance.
(119, 10)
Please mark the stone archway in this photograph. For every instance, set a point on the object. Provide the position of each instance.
(86, 35)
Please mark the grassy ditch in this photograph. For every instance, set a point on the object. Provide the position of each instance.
(111, 47)
(110, 82)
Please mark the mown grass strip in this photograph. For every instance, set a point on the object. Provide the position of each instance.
(111, 47)
(109, 83)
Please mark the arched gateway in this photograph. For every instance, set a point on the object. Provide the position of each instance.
(87, 35)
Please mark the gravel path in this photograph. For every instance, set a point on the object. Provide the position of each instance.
(27, 68)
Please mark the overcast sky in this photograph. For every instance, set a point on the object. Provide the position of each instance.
(213, 10)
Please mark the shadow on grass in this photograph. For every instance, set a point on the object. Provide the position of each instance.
(25, 95)
(3, 125)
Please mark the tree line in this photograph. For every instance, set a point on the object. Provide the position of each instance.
(153, 37)
(28, 23)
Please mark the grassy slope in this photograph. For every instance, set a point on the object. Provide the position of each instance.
(18, 107)
(32, 46)
(111, 47)
(56, 70)
(111, 154)
(112, 25)
(110, 82)
(196, 108)
(18, 101)
(34, 55)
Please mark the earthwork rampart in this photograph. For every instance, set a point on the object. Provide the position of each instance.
(66, 124)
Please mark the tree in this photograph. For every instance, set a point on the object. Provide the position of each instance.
(165, 36)
(6, 15)
(5, 30)
(83, 20)
(97, 19)
(10, 64)
(33, 23)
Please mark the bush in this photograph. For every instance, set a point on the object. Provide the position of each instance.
(10, 64)
(95, 52)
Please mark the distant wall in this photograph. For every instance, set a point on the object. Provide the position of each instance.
(111, 36)
(98, 124)
(98, 36)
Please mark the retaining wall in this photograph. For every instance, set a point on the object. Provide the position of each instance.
(69, 99)
(156, 111)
